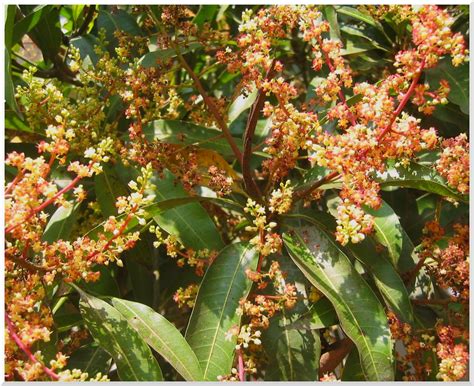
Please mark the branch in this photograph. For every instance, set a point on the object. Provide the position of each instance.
(337, 352)
(83, 28)
(210, 105)
(257, 106)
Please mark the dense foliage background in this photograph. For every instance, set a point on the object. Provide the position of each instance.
(226, 192)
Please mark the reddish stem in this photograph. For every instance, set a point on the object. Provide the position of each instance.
(241, 366)
(46, 203)
(26, 350)
(120, 232)
(340, 93)
(15, 181)
(260, 258)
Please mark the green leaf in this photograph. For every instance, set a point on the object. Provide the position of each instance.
(214, 313)
(47, 35)
(190, 223)
(322, 314)
(388, 230)
(157, 55)
(29, 22)
(185, 133)
(387, 279)
(85, 44)
(458, 78)
(361, 315)
(9, 86)
(162, 336)
(91, 359)
(331, 16)
(240, 104)
(292, 344)
(133, 357)
(11, 11)
(60, 224)
(352, 370)
(420, 177)
(108, 187)
(294, 350)
(357, 15)
(376, 262)
(13, 121)
(205, 14)
(119, 20)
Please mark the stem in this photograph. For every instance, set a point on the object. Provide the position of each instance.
(26, 350)
(15, 181)
(241, 366)
(340, 93)
(250, 184)
(208, 101)
(120, 232)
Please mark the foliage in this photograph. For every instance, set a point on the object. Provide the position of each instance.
(225, 192)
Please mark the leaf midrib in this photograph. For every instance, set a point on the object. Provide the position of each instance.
(346, 306)
(160, 339)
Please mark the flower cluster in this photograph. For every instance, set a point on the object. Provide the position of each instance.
(263, 307)
(186, 296)
(453, 163)
(266, 241)
(454, 356)
(352, 223)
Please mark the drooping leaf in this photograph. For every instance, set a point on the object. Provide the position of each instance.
(292, 344)
(47, 34)
(119, 20)
(214, 313)
(388, 230)
(85, 44)
(458, 78)
(25, 25)
(132, 356)
(322, 314)
(240, 104)
(108, 187)
(14, 122)
(9, 86)
(361, 315)
(157, 55)
(377, 263)
(190, 223)
(91, 359)
(162, 336)
(206, 14)
(186, 133)
(387, 279)
(294, 350)
(331, 16)
(60, 224)
(352, 370)
(357, 15)
(420, 177)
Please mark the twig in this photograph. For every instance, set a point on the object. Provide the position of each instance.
(241, 366)
(26, 350)
(257, 106)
